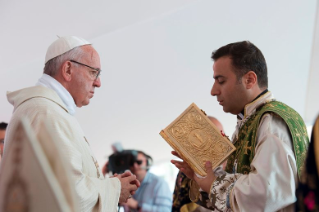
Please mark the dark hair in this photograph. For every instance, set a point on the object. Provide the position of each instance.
(3, 125)
(245, 57)
(149, 159)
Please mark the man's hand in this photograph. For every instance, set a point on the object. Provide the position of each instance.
(183, 166)
(131, 203)
(204, 183)
(129, 185)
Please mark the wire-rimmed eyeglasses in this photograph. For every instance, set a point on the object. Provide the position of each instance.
(95, 74)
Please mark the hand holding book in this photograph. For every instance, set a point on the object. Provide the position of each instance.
(197, 140)
(204, 183)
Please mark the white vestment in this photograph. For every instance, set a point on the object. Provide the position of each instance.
(271, 184)
(38, 103)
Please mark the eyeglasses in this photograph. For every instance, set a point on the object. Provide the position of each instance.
(95, 74)
(139, 162)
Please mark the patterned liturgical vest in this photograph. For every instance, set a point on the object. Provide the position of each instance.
(240, 160)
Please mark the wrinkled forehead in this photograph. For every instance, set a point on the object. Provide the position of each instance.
(91, 55)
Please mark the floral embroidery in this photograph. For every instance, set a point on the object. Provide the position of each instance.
(217, 199)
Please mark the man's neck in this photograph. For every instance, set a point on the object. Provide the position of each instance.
(141, 177)
(60, 89)
(242, 113)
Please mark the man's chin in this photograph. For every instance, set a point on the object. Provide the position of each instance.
(85, 103)
(229, 111)
(226, 110)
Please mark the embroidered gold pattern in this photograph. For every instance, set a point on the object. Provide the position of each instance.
(193, 133)
(249, 130)
(246, 147)
(94, 161)
(16, 197)
(97, 167)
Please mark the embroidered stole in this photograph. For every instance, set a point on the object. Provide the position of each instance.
(240, 160)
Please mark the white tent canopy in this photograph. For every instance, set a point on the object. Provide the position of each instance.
(155, 58)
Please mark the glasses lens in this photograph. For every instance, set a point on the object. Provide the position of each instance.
(98, 74)
(139, 162)
(95, 74)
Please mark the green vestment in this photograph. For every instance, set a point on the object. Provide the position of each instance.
(240, 160)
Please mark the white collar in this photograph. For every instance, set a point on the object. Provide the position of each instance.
(50, 82)
(251, 109)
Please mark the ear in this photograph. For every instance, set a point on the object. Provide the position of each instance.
(67, 71)
(250, 79)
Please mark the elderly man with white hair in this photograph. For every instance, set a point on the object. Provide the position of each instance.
(71, 74)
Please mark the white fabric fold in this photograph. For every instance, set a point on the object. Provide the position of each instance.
(249, 110)
(39, 103)
(50, 82)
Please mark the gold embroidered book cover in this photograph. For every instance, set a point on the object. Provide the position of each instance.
(196, 139)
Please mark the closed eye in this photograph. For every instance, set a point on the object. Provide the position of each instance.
(220, 79)
(220, 82)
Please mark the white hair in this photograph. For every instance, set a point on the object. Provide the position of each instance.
(52, 66)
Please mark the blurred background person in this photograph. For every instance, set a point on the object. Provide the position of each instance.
(3, 127)
(153, 194)
(308, 190)
(181, 201)
(105, 170)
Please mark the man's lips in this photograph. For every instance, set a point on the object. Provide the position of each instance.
(220, 102)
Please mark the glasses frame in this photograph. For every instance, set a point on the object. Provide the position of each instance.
(139, 162)
(95, 69)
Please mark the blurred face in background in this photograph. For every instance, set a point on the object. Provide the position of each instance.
(2, 134)
(139, 167)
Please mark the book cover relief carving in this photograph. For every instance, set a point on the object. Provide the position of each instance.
(197, 140)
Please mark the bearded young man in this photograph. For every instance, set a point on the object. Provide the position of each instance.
(270, 139)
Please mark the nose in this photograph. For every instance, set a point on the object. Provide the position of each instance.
(215, 91)
(97, 82)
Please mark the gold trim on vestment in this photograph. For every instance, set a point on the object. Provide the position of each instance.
(258, 99)
(315, 134)
(193, 191)
(189, 207)
(230, 199)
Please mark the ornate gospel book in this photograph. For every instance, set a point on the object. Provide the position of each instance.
(197, 140)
